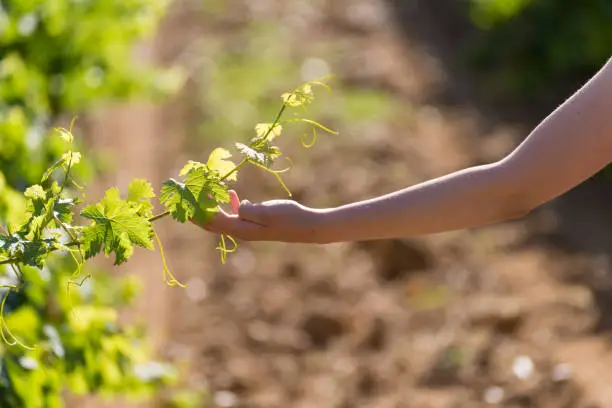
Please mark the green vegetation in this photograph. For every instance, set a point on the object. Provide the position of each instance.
(540, 50)
(60, 58)
(117, 225)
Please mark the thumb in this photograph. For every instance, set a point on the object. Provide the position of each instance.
(234, 201)
(255, 213)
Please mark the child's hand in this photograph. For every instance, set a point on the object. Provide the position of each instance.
(277, 220)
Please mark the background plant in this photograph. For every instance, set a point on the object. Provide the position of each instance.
(60, 58)
(540, 50)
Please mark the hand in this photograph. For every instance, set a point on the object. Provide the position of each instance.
(276, 220)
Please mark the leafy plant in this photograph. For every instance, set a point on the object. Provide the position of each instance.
(118, 224)
(61, 58)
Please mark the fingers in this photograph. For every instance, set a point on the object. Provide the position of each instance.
(248, 211)
(247, 221)
(224, 223)
(255, 213)
(234, 201)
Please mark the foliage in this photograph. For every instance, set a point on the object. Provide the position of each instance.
(119, 224)
(62, 57)
(540, 50)
(87, 350)
(79, 343)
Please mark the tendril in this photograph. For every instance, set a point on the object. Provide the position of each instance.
(168, 277)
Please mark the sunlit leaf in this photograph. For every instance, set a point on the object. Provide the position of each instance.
(116, 227)
(217, 161)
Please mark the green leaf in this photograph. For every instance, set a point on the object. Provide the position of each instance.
(217, 161)
(266, 131)
(32, 253)
(178, 200)
(66, 135)
(67, 161)
(192, 165)
(116, 227)
(183, 204)
(140, 193)
(206, 185)
(251, 153)
(197, 197)
(63, 209)
(40, 206)
(260, 151)
(300, 97)
(35, 192)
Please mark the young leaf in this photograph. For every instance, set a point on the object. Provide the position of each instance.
(192, 165)
(68, 159)
(250, 153)
(40, 206)
(197, 197)
(261, 152)
(300, 97)
(140, 193)
(217, 161)
(63, 209)
(178, 200)
(66, 135)
(32, 253)
(265, 130)
(116, 227)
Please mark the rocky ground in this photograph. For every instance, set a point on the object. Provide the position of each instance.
(478, 318)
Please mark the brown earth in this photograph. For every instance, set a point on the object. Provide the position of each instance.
(497, 316)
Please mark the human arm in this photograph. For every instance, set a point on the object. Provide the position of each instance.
(570, 145)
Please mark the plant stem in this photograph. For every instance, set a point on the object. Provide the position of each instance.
(64, 227)
(159, 216)
(276, 120)
(235, 169)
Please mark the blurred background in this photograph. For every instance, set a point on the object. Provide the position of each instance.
(512, 315)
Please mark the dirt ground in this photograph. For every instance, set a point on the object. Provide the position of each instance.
(500, 316)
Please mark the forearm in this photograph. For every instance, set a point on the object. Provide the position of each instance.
(572, 144)
(472, 197)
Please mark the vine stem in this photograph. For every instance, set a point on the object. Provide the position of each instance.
(235, 169)
(159, 216)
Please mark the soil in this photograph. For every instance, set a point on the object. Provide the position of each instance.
(511, 315)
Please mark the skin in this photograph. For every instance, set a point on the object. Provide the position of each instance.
(570, 145)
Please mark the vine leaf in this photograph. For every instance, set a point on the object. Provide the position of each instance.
(265, 130)
(259, 151)
(40, 207)
(29, 252)
(116, 227)
(198, 197)
(217, 161)
(301, 96)
(63, 209)
(140, 193)
(68, 159)
(179, 201)
(251, 154)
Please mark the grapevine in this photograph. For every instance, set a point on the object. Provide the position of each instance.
(116, 224)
